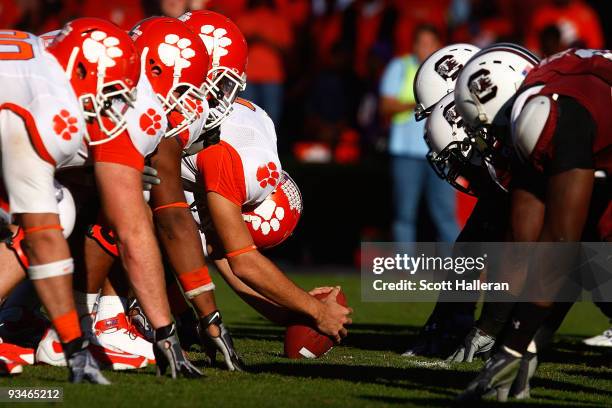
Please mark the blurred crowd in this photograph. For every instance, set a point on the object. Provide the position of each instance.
(336, 76)
(316, 65)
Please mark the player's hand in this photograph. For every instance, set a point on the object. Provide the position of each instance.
(168, 353)
(149, 178)
(221, 341)
(476, 343)
(323, 290)
(333, 317)
(83, 367)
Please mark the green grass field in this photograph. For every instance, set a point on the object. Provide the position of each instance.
(367, 371)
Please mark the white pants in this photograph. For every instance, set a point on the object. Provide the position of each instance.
(28, 178)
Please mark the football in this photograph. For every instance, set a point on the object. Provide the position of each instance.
(304, 341)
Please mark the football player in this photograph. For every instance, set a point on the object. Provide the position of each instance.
(247, 142)
(92, 51)
(560, 126)
(446, 138)
(176, 62)
(240, 136)
(41, 126)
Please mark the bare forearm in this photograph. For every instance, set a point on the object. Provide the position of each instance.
(392, 106)
(180, 238)
(263, 276)
(264, 306)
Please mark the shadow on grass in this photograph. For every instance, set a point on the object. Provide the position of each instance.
(569, 350)
(375, 337)
(446, 402)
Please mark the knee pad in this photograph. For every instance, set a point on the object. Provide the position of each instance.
(51, 270)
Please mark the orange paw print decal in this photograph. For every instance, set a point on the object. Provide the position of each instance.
(268, 175)
(196, 105)
(65, 125)
(150, 122)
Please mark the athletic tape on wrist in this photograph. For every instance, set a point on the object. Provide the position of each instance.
(196, 282)
(51, 270)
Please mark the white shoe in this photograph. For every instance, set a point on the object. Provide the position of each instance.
(9, 367)
(601, 340)
(118, 335)
(49, 350)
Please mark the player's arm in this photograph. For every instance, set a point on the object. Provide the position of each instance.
(568, 198)
(267, 308)
(570, 170)
(259, 273)
(176, 228)
(123, 206)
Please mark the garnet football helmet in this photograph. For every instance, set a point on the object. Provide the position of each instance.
(103, 66)
(176, 63)
(228, 51)
(275, 219)
(437, 75)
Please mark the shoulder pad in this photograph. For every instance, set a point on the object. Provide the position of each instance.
(529, 125)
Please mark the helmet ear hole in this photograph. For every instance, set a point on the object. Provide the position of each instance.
(81, 71)
(156, 70)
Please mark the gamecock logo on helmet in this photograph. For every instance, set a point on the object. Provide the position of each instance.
(451, 115)
(448, 67)
(481, 86)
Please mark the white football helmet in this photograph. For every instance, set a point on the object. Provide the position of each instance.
(484, 94)
(487, 83)
(451, 153)
(437, 75)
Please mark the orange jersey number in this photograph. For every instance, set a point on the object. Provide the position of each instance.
(13, 48)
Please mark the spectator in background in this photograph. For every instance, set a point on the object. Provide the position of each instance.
(411, 174)
(269, 36)
(550, 41)
(173, 8)
(576, 21)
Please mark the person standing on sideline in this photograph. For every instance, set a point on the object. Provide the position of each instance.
(412, 176)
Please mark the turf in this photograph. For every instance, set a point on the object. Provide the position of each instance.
(367, 371)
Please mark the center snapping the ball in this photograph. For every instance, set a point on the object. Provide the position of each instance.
(303, 341)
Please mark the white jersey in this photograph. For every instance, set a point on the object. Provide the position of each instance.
(146, 124)
(34, 87)
(250, 135)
